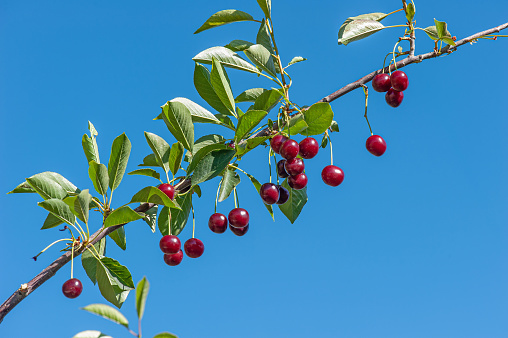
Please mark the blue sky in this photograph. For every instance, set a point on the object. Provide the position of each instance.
(412, 244)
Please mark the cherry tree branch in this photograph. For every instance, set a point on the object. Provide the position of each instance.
(184, 185)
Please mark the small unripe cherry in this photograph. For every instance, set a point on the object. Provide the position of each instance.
(376, 145)
(276, 142)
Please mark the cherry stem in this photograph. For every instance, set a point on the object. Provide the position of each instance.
(49, 246)
(276, 169)
(217, 195)
(270, 163)
(193, 222)
(366, 92)
(72, 260)
(331, 149)
(235, 194)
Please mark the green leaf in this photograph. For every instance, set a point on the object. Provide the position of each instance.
(250, 95)
(175, 157)
(120, 151)
(263, 38)
(201, 153)
(179, 217)
(91, 334)
(51, 222)
(118, 271)
(108, 312)
(334, 126)
(205, 89)
(178, 119)
(295, 60)
(262, 58)
(442, 32)
(90, 144)
(248, 122)
(89, 261)
(221, 86)
(146, 172)
(110, 286)
(59, 209)
(207, 140)
(153, 195)
(226, 121)
(238, 45)
(410, 12)
(163, 221)
(151, 217)
(224, 17)
(98, 173)
(267, 100)
(141, 293)
(227, 57)
(82, 205)
(230, 180)
(319, 117)
(118, 236)
(369, 16)
(212, 165)
(22, 188)
(324, 141)
(165, 335)
(297, 124)
(249, 144)
(149, 161)
(46, 187)
(257, 185)
(121, 215)
(266, 6)
(160, 150)
(358, 29)
(294, 205)
(199, 114)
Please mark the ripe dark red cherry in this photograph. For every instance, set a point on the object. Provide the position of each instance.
(298, 182)
(394, 98)
(376, 145)
(289, 149)
(72, 288)
(239, 231)
(170, 244)
(381, 83)
(283, 195)
(238, 217)
(294, 166)
(276, 142)
(332, 175)
(399, 81)
(281, 170)
(218, 223)
(269, 193)
(167, 189)
(173, 259)
(194, 247)
(309, 147)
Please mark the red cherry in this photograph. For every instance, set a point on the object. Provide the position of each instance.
(72, 288)
(283, 195)
(298, 182)
(294, 166)
(218, 223)
(281, 170)
(170, 244)
(239, 231)
(332, 175)
(394, 98)
(276, 142)
(269, 193)
(173, 259)
(376, 145)
(194, 248)
(309, 147)
(167, 189)
(399, 80)
(289, 149)
(381, 83)
(238, 217)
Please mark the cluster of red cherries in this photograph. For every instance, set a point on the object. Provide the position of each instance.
(393, 85)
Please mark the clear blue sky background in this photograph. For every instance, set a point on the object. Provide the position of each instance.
(412, 244)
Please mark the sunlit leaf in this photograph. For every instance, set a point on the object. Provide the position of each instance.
(227, 57)
(224, 17)
(294, 205)
(141, 293)
(108, 312)
(229, 181)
